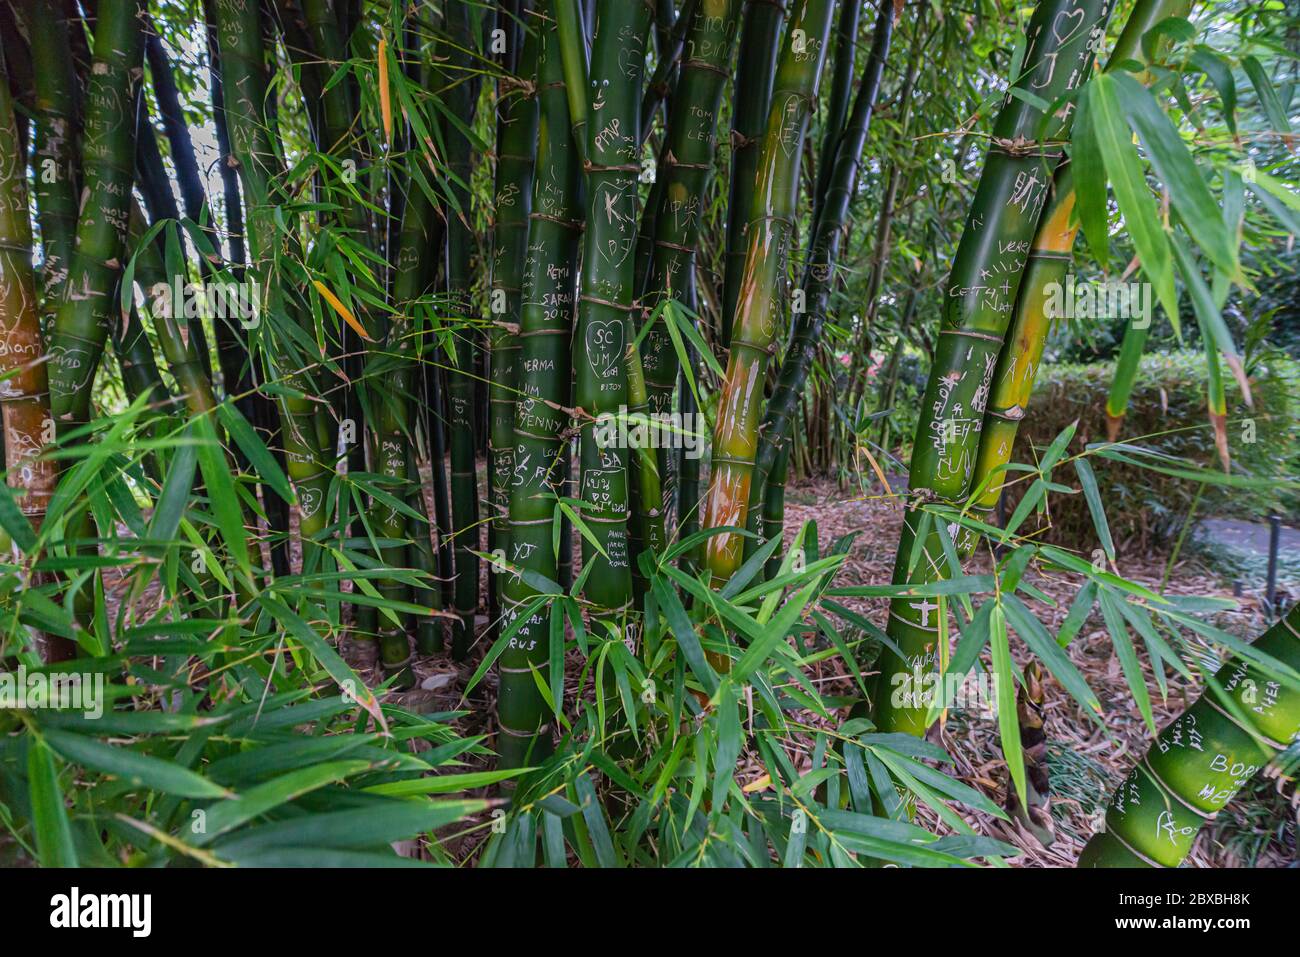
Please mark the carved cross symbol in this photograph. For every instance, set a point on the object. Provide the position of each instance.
(925, 606)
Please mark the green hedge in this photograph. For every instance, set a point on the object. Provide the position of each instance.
(1167, 413)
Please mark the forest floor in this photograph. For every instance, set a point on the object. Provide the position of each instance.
(1258, 828)
(1085, 761)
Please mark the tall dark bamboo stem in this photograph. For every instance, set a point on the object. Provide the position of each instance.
(755, 71)
(835, 123)
(819, 274)
(761, 301)
(85, 314)
(670, 36)
(517, 125)
(465, 494)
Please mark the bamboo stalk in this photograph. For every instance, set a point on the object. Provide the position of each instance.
(24, 391)
(1050, 256)
(85, 314)
(461, 380)
(1245, 718)
(979, 303)
(819, 275)
(755, 72)
(542, 420)
(607, 297)
(684, 171)
(517, 125)
(239, 34)
(56, 156)
(770, 225)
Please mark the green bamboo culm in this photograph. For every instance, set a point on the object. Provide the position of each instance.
(981, 294)
(575, 54)
(1248, 714)
(458, 97)
(832, 214)
(607, 297)
(755, 71)
(684, 172)
(395, 440)
(336, 135)
(244, 91)
(55, 154)
(88, 308)
(397, 426)
(773, 206)
(542, 419)
(24, 400)
(1050, 256)
(516, 152)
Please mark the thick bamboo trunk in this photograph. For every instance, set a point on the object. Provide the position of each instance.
(981, 296)
(755, 72)
(24, 392)
(56, 159)
(541, 421)
(607, 298)
(761, 301)
(1245, 718)
(88, 309)
(517, 125)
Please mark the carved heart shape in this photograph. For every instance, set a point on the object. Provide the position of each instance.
(604, 342)
(1076, 16)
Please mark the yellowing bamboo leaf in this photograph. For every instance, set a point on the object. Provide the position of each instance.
(344, 313)
(385, 105)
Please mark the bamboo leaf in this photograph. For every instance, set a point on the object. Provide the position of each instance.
(1008, 721)
(136, 769)
(1174, 165)
(1131, 193)
(49, 815)
(1088, 481)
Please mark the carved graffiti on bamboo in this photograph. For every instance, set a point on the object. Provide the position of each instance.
(309, 501)
(616, 202)
(950, 427)
(75, 362)
(631, 53)
(604, 341)
(598, 491)
(1029, 191)
(980, 399)
(791, 123)
(24, 448)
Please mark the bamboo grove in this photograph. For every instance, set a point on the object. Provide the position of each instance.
(369, 349)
